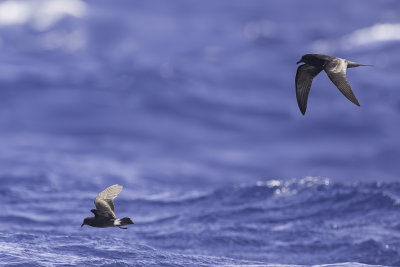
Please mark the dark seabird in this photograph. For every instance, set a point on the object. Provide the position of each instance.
(104, 214)
(333, 66)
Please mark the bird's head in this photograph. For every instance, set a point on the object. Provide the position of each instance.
(304, 59)
(87, 221)
(301, 60)
(317, 60)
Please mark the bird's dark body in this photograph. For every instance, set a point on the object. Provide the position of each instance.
(101, 222)
(104, 222)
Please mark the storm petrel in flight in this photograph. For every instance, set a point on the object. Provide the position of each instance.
(334, 67)
(104, 214)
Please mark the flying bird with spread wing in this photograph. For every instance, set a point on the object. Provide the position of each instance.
(334, 67)
(104, 214)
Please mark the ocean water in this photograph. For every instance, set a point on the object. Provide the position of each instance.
(190, 105)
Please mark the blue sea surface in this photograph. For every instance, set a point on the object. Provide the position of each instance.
(190, 105)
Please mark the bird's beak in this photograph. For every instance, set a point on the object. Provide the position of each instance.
(82, 224)
(298, 62)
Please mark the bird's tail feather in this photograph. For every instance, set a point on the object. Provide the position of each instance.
(352, 64)
(123, 221)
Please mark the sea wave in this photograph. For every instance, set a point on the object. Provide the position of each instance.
(299, 221)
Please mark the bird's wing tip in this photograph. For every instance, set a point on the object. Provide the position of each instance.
(302, 110)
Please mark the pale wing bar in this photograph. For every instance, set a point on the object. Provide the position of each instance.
(337, 74)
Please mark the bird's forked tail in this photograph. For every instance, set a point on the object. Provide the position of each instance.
(352, 64)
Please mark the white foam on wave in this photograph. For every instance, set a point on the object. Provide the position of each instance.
(41, 14)
(14, 12)
(378, 33)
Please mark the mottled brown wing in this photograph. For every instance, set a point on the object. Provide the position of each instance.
(304, 76)
(336, 70)
(104, 200)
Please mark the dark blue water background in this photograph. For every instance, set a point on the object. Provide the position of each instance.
(190, 105)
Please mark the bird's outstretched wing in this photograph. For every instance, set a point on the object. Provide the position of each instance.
(304, 76)
(336, 70)
(104, 200)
